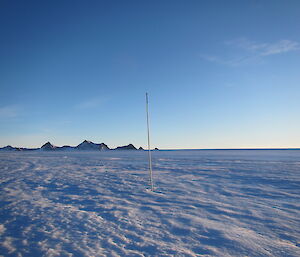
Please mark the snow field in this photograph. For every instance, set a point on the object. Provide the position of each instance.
(206, 203)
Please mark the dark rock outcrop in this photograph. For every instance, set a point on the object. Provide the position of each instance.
(88, 145)
(48, 147)
(126, 147)
(103, 147)
(10, 148)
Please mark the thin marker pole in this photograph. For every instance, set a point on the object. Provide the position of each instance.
(149, 151)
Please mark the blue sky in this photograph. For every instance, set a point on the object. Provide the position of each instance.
(220, 74)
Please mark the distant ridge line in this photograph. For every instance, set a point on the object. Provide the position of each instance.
(84, 146)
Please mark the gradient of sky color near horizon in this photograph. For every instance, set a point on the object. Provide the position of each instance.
(220, 74)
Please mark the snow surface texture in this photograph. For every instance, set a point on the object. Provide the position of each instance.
(211, 203)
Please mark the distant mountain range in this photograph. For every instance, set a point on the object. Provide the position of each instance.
(84, 146)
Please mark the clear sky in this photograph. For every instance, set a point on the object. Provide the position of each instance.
(220, 74)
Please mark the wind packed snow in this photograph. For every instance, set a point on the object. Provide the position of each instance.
(210, 203)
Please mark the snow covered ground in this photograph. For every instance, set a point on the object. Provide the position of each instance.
(210, 203)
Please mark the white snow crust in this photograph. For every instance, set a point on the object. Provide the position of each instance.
(205, 203)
